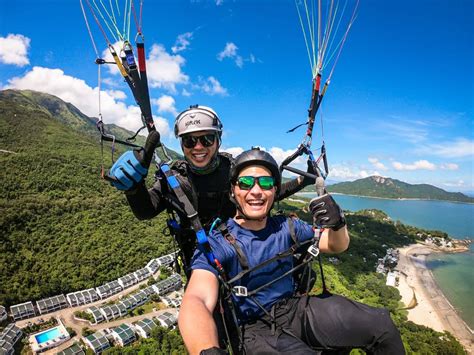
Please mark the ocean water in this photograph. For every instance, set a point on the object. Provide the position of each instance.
(454, 273)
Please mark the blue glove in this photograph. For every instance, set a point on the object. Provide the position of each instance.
(128, 171)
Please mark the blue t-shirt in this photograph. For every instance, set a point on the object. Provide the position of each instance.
(257, 246)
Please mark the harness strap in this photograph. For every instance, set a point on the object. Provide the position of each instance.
(238, 249)
(289, 252)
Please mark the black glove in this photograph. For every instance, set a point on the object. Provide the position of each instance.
(213, 351)
(326, 212)
(311, 169)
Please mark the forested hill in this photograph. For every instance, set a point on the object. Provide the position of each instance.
(377, 186)
(63, 228)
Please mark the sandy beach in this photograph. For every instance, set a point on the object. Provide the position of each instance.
(428, 306)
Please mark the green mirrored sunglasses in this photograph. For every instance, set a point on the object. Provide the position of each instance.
(247, 182)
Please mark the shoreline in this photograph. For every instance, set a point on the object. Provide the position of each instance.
(425, 302)
(388, 198)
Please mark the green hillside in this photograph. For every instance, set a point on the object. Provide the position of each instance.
(377, 186)
(64, 229)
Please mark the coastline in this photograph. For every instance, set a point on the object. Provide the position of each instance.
(426, 304)
(387, 198)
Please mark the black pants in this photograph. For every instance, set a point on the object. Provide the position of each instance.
(326, 321)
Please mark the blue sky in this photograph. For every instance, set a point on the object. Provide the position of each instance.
(400, 103)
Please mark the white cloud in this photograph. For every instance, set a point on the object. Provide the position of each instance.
(233, 150)
(417, 165)
(212, 86)
(117, 94)
(164, 69)
(377, 164)
(458, 148)
(84, 97)
(230, 51)
(14, 50)
(345, 172)
(185, 92)
(406, 130)
(165, 103)
(449, 166)
(219, 2)
(182, 42)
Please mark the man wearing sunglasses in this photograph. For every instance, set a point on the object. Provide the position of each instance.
(203, 175)
(272, 319)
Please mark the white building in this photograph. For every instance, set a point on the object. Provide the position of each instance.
(123, 334)
(108, 289)
(51, 304)
(97, 342)
(8, 338)
(143, 327)
(22, 311)
(79, 298)
(167, 319)
(3, 313)
(392, 279)
(127, 280)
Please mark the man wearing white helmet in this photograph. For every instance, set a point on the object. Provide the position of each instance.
(203, 175)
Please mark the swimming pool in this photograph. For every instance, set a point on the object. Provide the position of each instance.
(48, 335)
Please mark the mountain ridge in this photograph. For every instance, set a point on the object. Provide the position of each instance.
(385, 187)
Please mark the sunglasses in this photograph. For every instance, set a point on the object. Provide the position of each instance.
(247, 182)
(206, 140)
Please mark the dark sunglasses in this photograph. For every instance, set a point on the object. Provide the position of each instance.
(206, 140)
(247, 182)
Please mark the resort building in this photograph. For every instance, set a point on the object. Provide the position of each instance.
(172, 283)
(74, 349)
(96, 313)
(97, 342)
(22, 311)
(153, 266)
(8, 338)
(167, 319)
(171, 302)
(127, 280)
(3, 313)
(123, 334)
(166, 260)
(51, 304)
(113, 311)
(82, 297)
(143, 327)
(142, 274)
(392, 279)
(148, 291)
(109, 289)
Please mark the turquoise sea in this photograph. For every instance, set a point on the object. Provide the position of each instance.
(454, 273)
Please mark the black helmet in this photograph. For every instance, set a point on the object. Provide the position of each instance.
(255, 156)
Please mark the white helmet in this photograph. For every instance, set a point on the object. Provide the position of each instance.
(195, 119)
